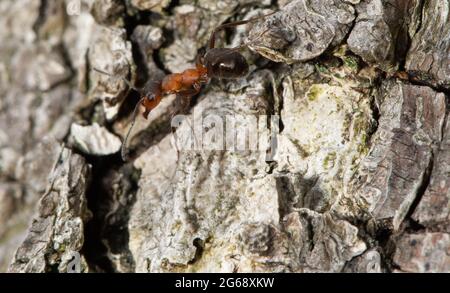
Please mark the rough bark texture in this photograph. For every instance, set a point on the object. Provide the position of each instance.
(352, 175)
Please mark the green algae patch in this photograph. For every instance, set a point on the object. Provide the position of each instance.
(315, 91)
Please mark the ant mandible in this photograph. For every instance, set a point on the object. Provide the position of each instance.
(222, 63)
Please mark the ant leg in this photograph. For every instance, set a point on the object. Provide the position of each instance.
(180, 107)
(183, 103)
(199, 60)
(212, 39)
(197, 87)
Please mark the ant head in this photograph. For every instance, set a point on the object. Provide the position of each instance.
(225, 63)
(151, 89)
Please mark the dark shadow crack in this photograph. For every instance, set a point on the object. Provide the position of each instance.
(200, 246)
(103, 235)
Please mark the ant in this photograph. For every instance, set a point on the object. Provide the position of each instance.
(221, 63)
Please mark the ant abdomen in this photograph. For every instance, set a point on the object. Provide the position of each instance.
(225, 63)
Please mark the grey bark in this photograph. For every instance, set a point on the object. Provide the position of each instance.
(358, 181)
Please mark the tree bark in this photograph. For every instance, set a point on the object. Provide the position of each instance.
(331, 155)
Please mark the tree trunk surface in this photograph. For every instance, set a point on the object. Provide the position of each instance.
(331, 155)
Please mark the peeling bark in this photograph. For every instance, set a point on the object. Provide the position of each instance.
(428, 55)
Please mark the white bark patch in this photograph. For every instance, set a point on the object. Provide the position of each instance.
(95, 139)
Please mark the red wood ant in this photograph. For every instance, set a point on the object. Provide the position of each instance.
(222, 63)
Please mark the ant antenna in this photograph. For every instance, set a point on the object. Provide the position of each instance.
(250, 41)
(212, 39)
(123, 78)
(123, 150)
